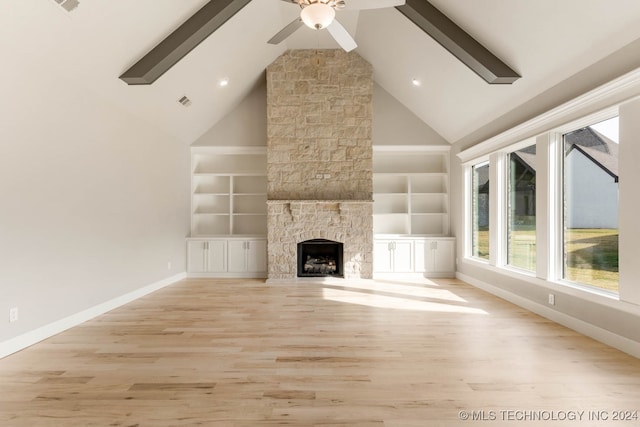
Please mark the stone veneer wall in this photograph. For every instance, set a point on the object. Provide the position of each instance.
(319, 158)
(319, 120)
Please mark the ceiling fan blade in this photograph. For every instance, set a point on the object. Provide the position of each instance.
(371, 4)
(286, 31)
(342, 36)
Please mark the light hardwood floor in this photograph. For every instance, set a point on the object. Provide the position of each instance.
(244, 353)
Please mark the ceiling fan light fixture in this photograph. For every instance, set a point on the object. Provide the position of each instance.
(318, 15)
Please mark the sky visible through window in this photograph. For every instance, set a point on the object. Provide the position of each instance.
(608, 128)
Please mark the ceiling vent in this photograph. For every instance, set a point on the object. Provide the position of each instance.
(68, 5)
(185, 101)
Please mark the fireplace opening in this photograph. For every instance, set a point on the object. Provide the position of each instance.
(320, 258)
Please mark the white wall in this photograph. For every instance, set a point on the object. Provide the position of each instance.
(629, 201)
(246, 125)
(394, 124)
(94, 202)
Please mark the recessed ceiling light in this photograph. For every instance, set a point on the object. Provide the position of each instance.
(416, 82)
(223, 82)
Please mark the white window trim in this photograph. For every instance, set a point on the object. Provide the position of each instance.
(592, 103)
(468, 210)
(557, 224)
(505, 206)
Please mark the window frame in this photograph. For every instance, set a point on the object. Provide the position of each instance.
(505, 208)
(559, 260)
(468, 208)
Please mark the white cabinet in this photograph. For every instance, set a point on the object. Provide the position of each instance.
(435, 257)
(431, 257)
(392, 256)
(206, 256)
(247, 256)
(410, 190)
(228, 212)
(227, 257)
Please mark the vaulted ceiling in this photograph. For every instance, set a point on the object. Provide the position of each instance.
(545, 41)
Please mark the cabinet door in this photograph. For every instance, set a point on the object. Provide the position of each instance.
(196, 256)
(383, 256)
(237, 259)
(402, 256)
(444, 256)
(421, 252)
(256, 256)
(216, 251)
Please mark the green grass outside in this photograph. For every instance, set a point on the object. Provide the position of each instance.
(592, 257)
(592, 254)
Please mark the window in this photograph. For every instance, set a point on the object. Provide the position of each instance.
(521, 209)
(591, 205)
(573, 172)
(480, 211)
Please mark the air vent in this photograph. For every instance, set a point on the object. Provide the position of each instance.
(68, 5)
(185, 101)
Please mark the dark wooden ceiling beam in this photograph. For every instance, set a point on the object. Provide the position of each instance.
(180, 42)
(458, 42)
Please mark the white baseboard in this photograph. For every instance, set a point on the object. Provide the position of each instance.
(607, 337)
(23, 341)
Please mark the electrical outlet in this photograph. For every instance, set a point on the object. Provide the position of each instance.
(169, 265)
(327, 175)
(13, 314)
(552, 299)
(318, 176)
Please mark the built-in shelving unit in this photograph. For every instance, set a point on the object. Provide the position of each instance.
(228, 191)
(411, 190)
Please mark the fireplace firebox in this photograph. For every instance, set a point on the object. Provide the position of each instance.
(320, 258)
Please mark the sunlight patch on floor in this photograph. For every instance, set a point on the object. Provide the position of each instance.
(407, 302)
(407, 289)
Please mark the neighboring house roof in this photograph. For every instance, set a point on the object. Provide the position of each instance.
(527, 157)
(597, 147)
(594, 145)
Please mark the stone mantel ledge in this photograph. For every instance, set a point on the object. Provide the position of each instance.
(312, 202)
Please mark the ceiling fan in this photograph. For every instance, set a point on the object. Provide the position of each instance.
(320, 14)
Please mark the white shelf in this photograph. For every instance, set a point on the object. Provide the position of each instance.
(250, 204)
(428, 203)
(207, 225)
(410, 190)
(250, 185)
(390, 203)
(229, 191)
(430, 224)
(210, 204)
(210, 184)
(390, 183)
(249, 224)
(391, 223)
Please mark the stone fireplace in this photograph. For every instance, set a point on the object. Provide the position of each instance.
(319, 159)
